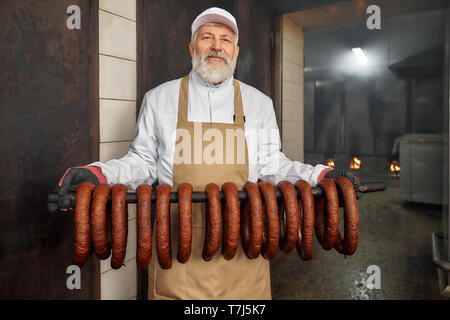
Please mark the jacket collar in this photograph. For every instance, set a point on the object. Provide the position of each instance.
(196, 80)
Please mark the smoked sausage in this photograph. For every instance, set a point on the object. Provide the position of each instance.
(252, 221)
(289, 216)
(245, 226)
(331, 213)
(306, 228)
(184, 191)
(144, 225)
(98, 221)
(319, 218)
(213, 223)
(231, 220)
(349, 244)
(82, 224)
(271, 232)
(119, 217)
(162, 229)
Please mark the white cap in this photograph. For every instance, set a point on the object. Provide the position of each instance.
(215, 15)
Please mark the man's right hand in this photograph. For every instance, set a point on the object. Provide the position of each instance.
(70, 182)
(76, 176)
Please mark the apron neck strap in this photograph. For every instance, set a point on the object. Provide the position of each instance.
(238, 107)
(183, 102)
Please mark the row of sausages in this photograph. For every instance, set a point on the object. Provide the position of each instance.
(264, 224)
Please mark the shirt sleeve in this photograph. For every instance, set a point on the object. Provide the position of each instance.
(272, 164)
(139, 165)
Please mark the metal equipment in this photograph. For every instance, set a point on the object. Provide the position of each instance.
(421, 158)
(56, 202)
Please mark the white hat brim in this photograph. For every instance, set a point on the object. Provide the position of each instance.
(213, 18)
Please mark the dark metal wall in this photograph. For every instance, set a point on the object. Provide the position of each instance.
(166, 33)
(445, 127)
(44, 128)
(255, 26)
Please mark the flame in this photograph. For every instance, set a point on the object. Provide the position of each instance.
(355, 163)
(394, 167)
(330, 163)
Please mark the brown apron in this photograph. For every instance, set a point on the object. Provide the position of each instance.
(238, 278)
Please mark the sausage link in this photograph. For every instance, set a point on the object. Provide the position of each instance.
(98, 221)
(271, 233)
(331, 213)
(213, 223)
(119, 225)
(185, 222)
(264, 229)
(339, 245)
(349, 244)
(163, 250)
(231, 220)
(306, 228)
(109, 224)
(319, 218)
(82, 224)
(144, 225)
(252, 215)
(289, 216)
(245, 226)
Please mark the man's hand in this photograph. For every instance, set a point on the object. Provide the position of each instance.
(344, 173)
(73, 178)
(76, 176)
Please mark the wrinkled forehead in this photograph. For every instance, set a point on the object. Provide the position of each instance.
(216, 29)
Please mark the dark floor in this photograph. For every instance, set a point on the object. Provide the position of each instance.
(392, 235)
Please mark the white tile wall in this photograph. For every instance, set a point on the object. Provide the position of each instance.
(117, 78)
(117, 120)
(292, 72)
(290, 52)
(118, 36)
(291, 32)
(291, 131)
(290, 111)
(123, 8)
(105, 265)
(120, 284)
(113, 150)
(291, 149)
(132, 211)
(292, 90)
(117, 91)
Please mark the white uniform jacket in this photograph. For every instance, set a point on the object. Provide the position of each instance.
(151, 154)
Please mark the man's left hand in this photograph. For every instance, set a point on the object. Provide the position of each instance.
(344, 173)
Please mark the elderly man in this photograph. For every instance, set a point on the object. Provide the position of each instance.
(172, 114)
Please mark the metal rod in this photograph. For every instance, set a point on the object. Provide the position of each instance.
(442, 264)
(55, 201)
(436, 252)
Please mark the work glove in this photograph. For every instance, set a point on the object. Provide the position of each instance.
(344, 173)
(76, 176)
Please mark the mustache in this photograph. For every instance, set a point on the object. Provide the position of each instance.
(210, 74)
(216, 54)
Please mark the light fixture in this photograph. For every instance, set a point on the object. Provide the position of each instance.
(359, 53)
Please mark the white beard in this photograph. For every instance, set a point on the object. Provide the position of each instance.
(210, 74)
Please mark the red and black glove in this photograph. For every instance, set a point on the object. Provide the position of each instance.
(76, 176)
(344, 173)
